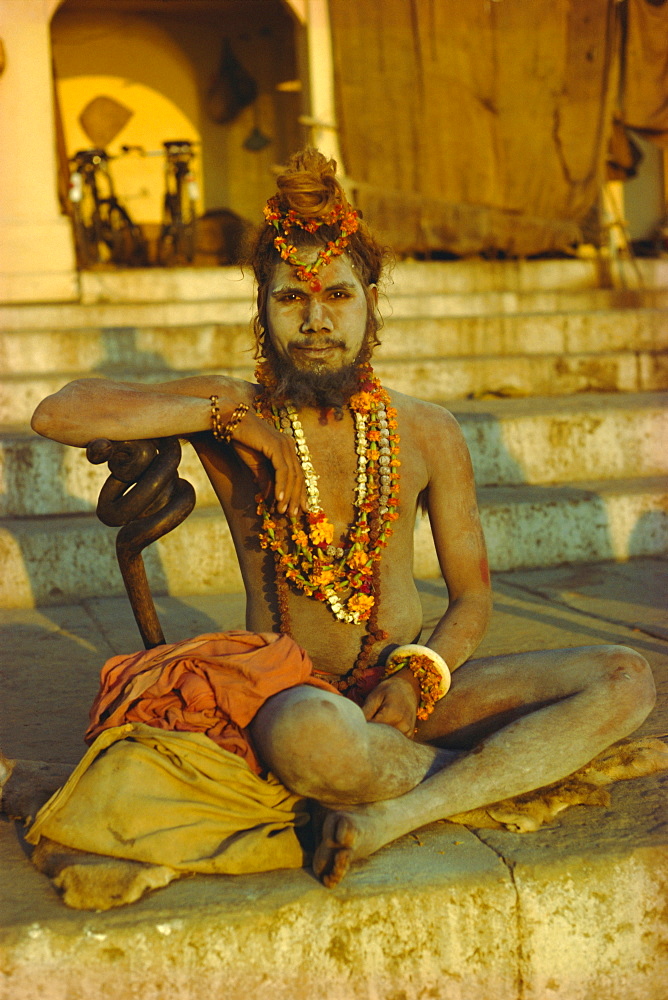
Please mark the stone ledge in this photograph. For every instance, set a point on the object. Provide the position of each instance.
(592, 896)
(573, 912)
(406, 923)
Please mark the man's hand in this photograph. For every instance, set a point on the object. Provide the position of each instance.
(272, 458)
(394, 702)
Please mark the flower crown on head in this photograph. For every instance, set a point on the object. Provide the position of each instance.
(284, 221)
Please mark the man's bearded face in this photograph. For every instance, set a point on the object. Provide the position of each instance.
(317, 332)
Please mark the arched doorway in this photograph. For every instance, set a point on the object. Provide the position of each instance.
(221, 73)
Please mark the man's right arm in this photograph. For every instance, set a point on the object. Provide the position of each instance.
(88, 409)
(93, 408)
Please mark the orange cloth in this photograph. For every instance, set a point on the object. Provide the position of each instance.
(212, 684)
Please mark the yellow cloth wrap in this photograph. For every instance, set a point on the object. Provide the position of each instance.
(175, 799)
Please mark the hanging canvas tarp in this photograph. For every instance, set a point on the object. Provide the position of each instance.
(478, 126)
(644, 97)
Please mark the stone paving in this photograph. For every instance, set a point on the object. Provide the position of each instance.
(573, 912)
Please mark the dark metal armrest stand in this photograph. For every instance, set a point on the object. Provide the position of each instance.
(146, 497)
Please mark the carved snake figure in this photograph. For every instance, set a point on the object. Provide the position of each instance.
(146, 497)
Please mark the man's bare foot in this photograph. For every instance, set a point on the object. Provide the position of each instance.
(350, 833)
(347, 835)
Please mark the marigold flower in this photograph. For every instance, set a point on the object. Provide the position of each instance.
(322, 577)
(362, 401)
(358, 559)
(300, 538)
(361, 604)
(322, 533)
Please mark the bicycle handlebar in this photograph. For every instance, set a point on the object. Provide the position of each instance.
(182, 146)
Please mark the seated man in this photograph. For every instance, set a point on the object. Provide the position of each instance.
(320, 472)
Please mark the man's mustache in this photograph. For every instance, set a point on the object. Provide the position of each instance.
(316, 344)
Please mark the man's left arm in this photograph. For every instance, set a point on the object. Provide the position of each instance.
(460, 547)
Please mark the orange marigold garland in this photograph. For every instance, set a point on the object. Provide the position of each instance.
(346, 577)
(284, 222)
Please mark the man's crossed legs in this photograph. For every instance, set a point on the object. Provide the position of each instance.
(508, 725)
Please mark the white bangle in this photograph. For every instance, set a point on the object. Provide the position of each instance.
(394, 663)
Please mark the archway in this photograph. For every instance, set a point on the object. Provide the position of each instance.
(222, 73)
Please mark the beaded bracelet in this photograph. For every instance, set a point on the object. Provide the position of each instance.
(430, 670)
(224, 432)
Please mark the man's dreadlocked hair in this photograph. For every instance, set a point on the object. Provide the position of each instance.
(309, 186)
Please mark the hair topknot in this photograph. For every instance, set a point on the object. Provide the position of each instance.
(309, 185)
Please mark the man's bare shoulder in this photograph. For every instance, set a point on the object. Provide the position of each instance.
(434, 433)
(433, 418)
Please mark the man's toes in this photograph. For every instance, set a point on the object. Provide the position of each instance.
(340, 864)
(334, 852)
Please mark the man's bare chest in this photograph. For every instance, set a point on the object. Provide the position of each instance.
(336, 466)
(338, 460)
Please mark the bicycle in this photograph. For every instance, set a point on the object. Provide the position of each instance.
(103, 229)
(178, 234)
(177, 240)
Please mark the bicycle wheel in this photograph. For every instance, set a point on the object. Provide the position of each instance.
(124, 238)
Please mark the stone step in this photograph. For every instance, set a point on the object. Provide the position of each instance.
(53, 560)
(574, 332)
(474, 275)
(512, 441)
(208, 345)
(546, 441)
(433, 379)
(157, 284)
(510, 303)
(110, 318)
(409, 276)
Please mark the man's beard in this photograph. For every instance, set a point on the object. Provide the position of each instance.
(316, 386)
